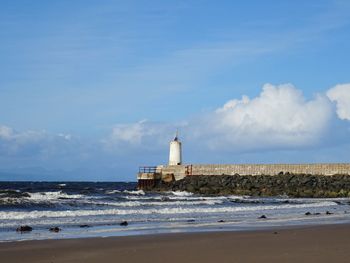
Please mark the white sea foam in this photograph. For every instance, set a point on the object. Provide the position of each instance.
(173, 198)
(167, 210)
(237, 197)
(158, 203)
(181, 193)
(48, 196)
(136, 192)
(183, 198)
(112, 192)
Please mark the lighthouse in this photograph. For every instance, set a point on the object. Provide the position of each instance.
(175, 157)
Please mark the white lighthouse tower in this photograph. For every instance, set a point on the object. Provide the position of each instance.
(175, 157)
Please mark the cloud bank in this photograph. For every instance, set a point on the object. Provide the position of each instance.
(33, 143)
(279, 117)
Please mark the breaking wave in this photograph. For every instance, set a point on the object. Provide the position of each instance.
(45, 196)
(136, 192)
(173, 210)
(181, 193)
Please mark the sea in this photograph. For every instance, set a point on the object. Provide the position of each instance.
(97, 209)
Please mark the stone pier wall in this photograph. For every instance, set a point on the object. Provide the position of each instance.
(271, 169)
(176, 172)
(181, 171)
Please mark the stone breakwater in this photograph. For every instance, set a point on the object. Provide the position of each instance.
(271, 169)
(292, 185)
(178, 172)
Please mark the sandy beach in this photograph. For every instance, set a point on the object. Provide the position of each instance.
(303, 244)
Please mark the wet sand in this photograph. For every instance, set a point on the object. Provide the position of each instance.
(304, 244)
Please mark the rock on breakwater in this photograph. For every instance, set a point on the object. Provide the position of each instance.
(293, 185)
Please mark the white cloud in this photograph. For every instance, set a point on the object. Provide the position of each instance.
(143, 135)
(5, 132)
(279, 117)
(65, 136)
(131, 133)
(340, 94)
(32, 143)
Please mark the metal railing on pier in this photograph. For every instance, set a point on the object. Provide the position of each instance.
(148, 169)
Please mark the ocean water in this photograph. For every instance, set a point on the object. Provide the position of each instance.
(86, 209)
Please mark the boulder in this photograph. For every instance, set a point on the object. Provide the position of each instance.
(24, 229)
(190, 188)
(55, 229)
(124, 223)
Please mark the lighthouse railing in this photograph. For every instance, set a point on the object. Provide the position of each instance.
(148, 169)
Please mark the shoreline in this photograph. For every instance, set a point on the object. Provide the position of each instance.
(321, 243)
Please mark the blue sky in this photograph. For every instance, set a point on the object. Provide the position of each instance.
(89, 90)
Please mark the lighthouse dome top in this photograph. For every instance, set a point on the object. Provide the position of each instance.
(176, 137)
